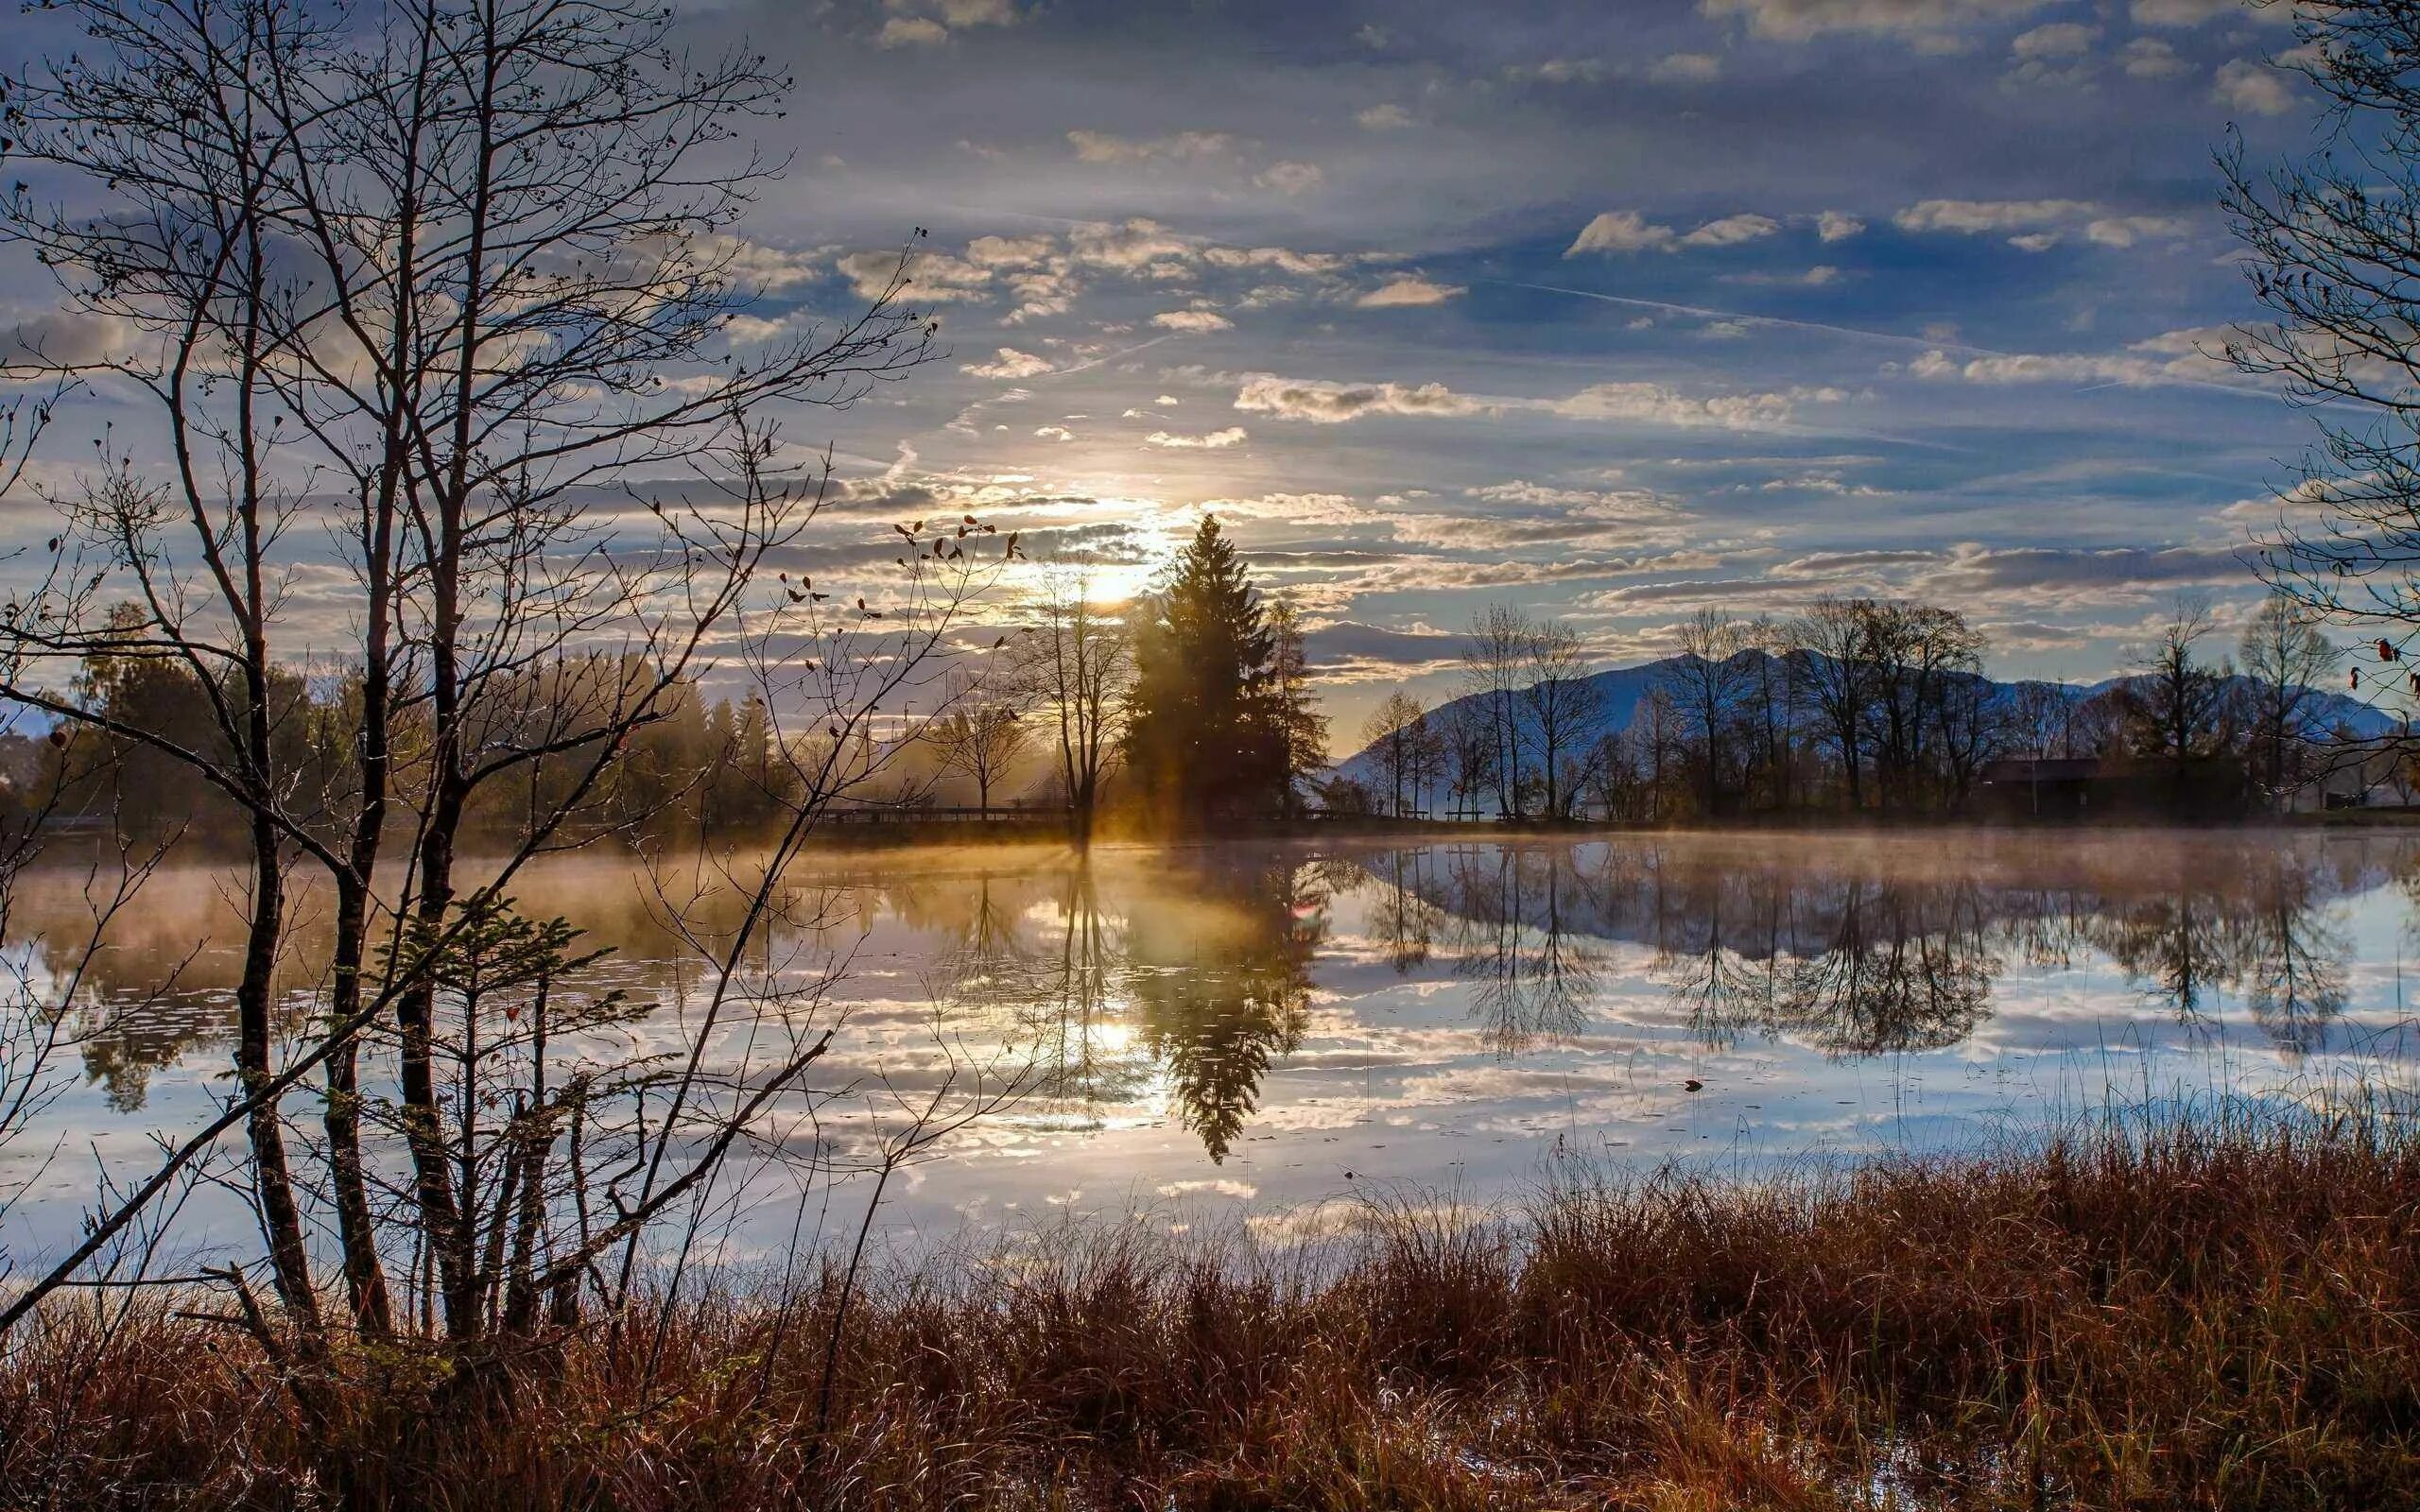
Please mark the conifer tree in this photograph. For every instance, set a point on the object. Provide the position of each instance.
(1207, 733)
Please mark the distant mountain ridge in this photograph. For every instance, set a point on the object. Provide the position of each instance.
(1622, 688)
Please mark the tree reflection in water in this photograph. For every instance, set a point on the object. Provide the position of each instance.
(1221, 988)
(1860, 953)
(1512, 938)
(1190, 972)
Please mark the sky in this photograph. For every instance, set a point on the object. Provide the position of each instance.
(1612, 310)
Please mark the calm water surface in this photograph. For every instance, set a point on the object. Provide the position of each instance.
(1253, 1031)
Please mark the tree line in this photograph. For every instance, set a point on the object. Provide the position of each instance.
(1857, 705)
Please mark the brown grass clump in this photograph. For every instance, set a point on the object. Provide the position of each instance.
(2191, 1316)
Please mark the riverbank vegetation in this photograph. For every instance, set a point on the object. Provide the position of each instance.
(2179, 1312)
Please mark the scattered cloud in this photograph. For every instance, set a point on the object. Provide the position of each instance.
(1620, 230)
(2124, 230)
(2194, 12)
(1054, 433)
(1936, 21)
(925, 23)
(1215, 441)
(1731, 231)
(1387, 117)
(1290, 178)
(1333, 404)
(2152, 58)
(1980, 217)
(1558, 70)
(1192, 322)
(910, 31)
(1627, 231)
(1409, 289)
(2247, 84)
(1836, 226)
(1686, 68)
(2057, 53)
(1010, 363)
(1103, 146)
(1323, 402)
(2175, 356)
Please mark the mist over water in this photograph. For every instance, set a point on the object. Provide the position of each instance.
(1253, 1031)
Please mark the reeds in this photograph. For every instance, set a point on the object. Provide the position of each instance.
(2198, 1312)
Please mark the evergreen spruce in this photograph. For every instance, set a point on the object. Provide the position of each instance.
(1214, 724)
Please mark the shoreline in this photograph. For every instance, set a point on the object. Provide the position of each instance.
(2218, 1312)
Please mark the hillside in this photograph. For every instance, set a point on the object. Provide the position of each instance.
(1622, 688)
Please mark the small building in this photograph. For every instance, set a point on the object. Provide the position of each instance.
(2037, 787)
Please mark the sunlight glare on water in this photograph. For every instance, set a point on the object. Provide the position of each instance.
(1252, 1030)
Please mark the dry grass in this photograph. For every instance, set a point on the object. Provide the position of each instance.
(2198, 1315)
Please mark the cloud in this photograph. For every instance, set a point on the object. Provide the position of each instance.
(933, 278)
(2060, 39)
(910, 31)
(1290, 178)
(1974, 218)
(1620, 230)
(1968, 570)
(1333, 404)
(1655, 404)
(1822, 275)
(1387, 117)
(64, 339)
(1132, 247)
(1731, 231)
(1349, 643)
(2124, 230)
(2245, 84)
(2151, 57)
(2057, 53)
(1054, 433)
(1192, 322)
(1686, 68)
(1409, 289)
(925, 23)
(1804, 20)
(1215, 441)
(1558, 70)
(1835, 226)
(1010, 251)
(2174, 356)
(1011, 363)
(1627, 231)
(1101, 147)
(2194, 12)
(2042, 223)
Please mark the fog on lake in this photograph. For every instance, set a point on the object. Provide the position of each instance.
(1258, 1031)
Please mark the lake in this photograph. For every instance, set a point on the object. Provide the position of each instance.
(1252, 1033)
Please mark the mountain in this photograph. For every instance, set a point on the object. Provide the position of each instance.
(1621, 689)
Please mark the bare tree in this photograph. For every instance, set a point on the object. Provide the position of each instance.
(1565, 707)
(1076, 661)
(979, 741)
(448, 281)
(1708, 684)
(1467, 732)
(2331, 242)
(2178, 704)
(2043, 719)
(1655, 735)
(2285, 655)
(1407, 751)
(1920, 653)
(1494, 665)
(1834, 661)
